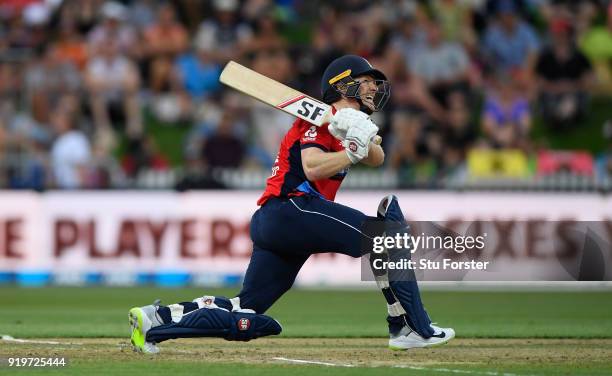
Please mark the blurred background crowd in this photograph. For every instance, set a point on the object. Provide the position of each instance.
(125, 94)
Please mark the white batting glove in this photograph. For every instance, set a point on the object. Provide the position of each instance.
(357, 142)
(343, 119)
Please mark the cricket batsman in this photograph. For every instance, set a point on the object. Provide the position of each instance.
(297, 218)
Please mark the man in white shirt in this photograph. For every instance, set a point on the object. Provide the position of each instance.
(70, 153)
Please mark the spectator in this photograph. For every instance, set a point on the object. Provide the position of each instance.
(509, 43)
(70, 46)
(113, 29)
(48, 79)
(70, 152)
(442, 65)
(197, 74)
(411, 36)
(223, 148)
(113, 83)
(224, 35)
(564, 77)
(506, 117)
(459, 133)
(415, 151)
(266, 35)
(455, 21)
(163, 41)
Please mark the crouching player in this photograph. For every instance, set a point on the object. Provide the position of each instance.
(297, 218)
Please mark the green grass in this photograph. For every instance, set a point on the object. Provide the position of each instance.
(512, 319)
(101, 312)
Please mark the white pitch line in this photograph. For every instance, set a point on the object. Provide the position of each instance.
(459, 371)
(414, 368)
(300, 361)
(8, 338)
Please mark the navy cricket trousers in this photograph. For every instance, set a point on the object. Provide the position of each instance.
(285, 232)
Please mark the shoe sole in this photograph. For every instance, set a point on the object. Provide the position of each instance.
(137, 338)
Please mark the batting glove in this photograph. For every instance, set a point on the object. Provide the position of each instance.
(357, 142)
(343, 120)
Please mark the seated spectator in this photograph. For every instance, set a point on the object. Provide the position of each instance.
(266, 35)
(70, 152)
(415, 151)
(506, 116)
(597, 45)
(564, 75)
(223, 148)
(442, 65)
(223, 35)
(410, 37)
(510, 43)
(459, 133)
(455, 21)
(70, 45)
(48, 79)
(163, 41)
(113, 82)
(197, 74)
(114, 29)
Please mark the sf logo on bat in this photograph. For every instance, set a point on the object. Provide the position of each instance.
(310, 110)
(304, 107)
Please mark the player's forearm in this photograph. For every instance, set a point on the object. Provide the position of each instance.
(324, 165)
(376, 156)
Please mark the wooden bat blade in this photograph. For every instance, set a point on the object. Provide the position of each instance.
(276, 94)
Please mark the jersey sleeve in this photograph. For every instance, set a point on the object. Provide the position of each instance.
(313, 136)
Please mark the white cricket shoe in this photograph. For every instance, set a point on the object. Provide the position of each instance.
(408, 338)
(142, 319)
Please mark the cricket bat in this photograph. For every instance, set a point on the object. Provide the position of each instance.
(278, 95)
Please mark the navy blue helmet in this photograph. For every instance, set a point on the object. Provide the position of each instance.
(339, 80)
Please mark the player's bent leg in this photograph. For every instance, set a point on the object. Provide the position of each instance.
(268, 276)
(206, 316)
(216, 322)
(409, 324)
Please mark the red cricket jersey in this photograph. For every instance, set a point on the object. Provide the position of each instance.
(287, 172)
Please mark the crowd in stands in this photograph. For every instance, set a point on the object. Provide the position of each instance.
(83, 83)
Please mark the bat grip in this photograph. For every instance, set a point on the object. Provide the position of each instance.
(377, 140)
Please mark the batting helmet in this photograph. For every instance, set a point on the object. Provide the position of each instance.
(339, 80)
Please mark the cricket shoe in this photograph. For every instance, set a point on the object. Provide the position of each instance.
(408, 338)
(142, 319)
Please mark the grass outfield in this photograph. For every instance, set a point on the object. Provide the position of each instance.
(522, 333)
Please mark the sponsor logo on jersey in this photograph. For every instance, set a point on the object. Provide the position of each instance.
(310, 134)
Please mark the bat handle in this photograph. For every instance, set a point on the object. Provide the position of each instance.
(377, 140)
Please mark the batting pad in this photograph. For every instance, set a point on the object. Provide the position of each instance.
(216, 322)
